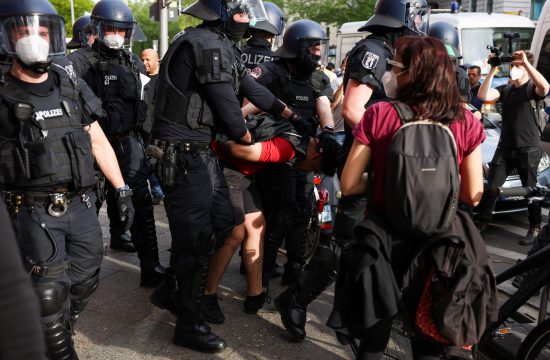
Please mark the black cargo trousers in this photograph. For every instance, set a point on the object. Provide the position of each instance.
(63, 255)
(135, 168)
(200, 216)
(286, 198)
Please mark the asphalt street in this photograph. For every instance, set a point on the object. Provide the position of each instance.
(120, 323)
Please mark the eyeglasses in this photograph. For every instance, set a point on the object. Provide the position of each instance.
(392, 63)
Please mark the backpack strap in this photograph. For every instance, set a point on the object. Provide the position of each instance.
(534, 105)
(404, 111)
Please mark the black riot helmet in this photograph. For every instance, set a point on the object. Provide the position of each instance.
(81, 32)
(275, 23)
(413, 15)
(32, 32)
(448, 34)
(223, 10)
(112, 23)
(298, 41)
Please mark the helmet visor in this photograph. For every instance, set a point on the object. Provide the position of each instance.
(316, 50)
(50, 28)
(418, 17)
(256, 11)
(102, 28)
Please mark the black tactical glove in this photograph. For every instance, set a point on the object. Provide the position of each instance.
(327, 135)
(303, 125)
(125, 206)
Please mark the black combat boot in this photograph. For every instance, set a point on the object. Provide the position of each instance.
(192, 330)
(122, 242)
(292, 304)
(165, 295)
(293, 315)
(146, 242)
(198, 337)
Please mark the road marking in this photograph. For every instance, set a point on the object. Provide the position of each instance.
(509, 254)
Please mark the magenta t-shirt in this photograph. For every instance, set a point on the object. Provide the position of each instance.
(380, 121)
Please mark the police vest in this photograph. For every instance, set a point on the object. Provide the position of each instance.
(115, 80)
(51, 146)
(214, 60)
(252, 55)
(300, 95)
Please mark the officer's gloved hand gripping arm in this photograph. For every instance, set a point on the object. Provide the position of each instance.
(108, 164)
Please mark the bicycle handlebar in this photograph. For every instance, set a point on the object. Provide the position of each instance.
(537, 193)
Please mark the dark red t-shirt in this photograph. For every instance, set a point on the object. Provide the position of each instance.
(276, 150)
(380, 121)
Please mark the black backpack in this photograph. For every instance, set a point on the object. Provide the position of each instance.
(422, 178)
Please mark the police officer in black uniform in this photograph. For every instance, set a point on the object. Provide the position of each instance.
(48, 140)
(196, 95)
(363, 87)
(114, 73)
(286, 191)
(81, 33)
(263, 34)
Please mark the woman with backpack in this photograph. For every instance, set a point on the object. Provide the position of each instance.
(421, 76)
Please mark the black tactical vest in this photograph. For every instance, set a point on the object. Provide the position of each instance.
(50, 146)
(214, 59)
(115, 80)
(256, 51)
(300, 95)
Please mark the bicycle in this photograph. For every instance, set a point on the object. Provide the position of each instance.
(536, 344)
(499, 336)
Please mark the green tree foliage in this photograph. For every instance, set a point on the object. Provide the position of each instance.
(151, 29)
(331, 12)
(63, 8)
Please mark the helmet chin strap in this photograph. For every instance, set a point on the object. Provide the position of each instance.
(40, 67)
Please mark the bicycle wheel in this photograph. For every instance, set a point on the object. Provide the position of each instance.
(536, 345)
(314, 228)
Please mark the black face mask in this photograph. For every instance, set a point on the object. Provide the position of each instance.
(307, 64)
(235, 30)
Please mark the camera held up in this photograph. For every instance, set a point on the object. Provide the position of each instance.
(498, 58)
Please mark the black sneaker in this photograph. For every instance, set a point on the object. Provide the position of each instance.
(211, 309)
(531, 235)
(254, 303)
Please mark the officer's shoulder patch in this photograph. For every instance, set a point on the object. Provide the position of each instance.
(256, 72)
(370, 60)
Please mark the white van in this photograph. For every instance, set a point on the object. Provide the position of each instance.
(347, 37)
(541, 42)
(478, 30)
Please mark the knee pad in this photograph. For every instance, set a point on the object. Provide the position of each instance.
(53, 296)
(82, 291)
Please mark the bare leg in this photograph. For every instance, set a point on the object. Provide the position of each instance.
(221, 259)
(253, 251)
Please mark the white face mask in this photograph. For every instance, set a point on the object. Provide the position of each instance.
(114, 41)
(32, 49)
(516, 73)
(389, 80)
